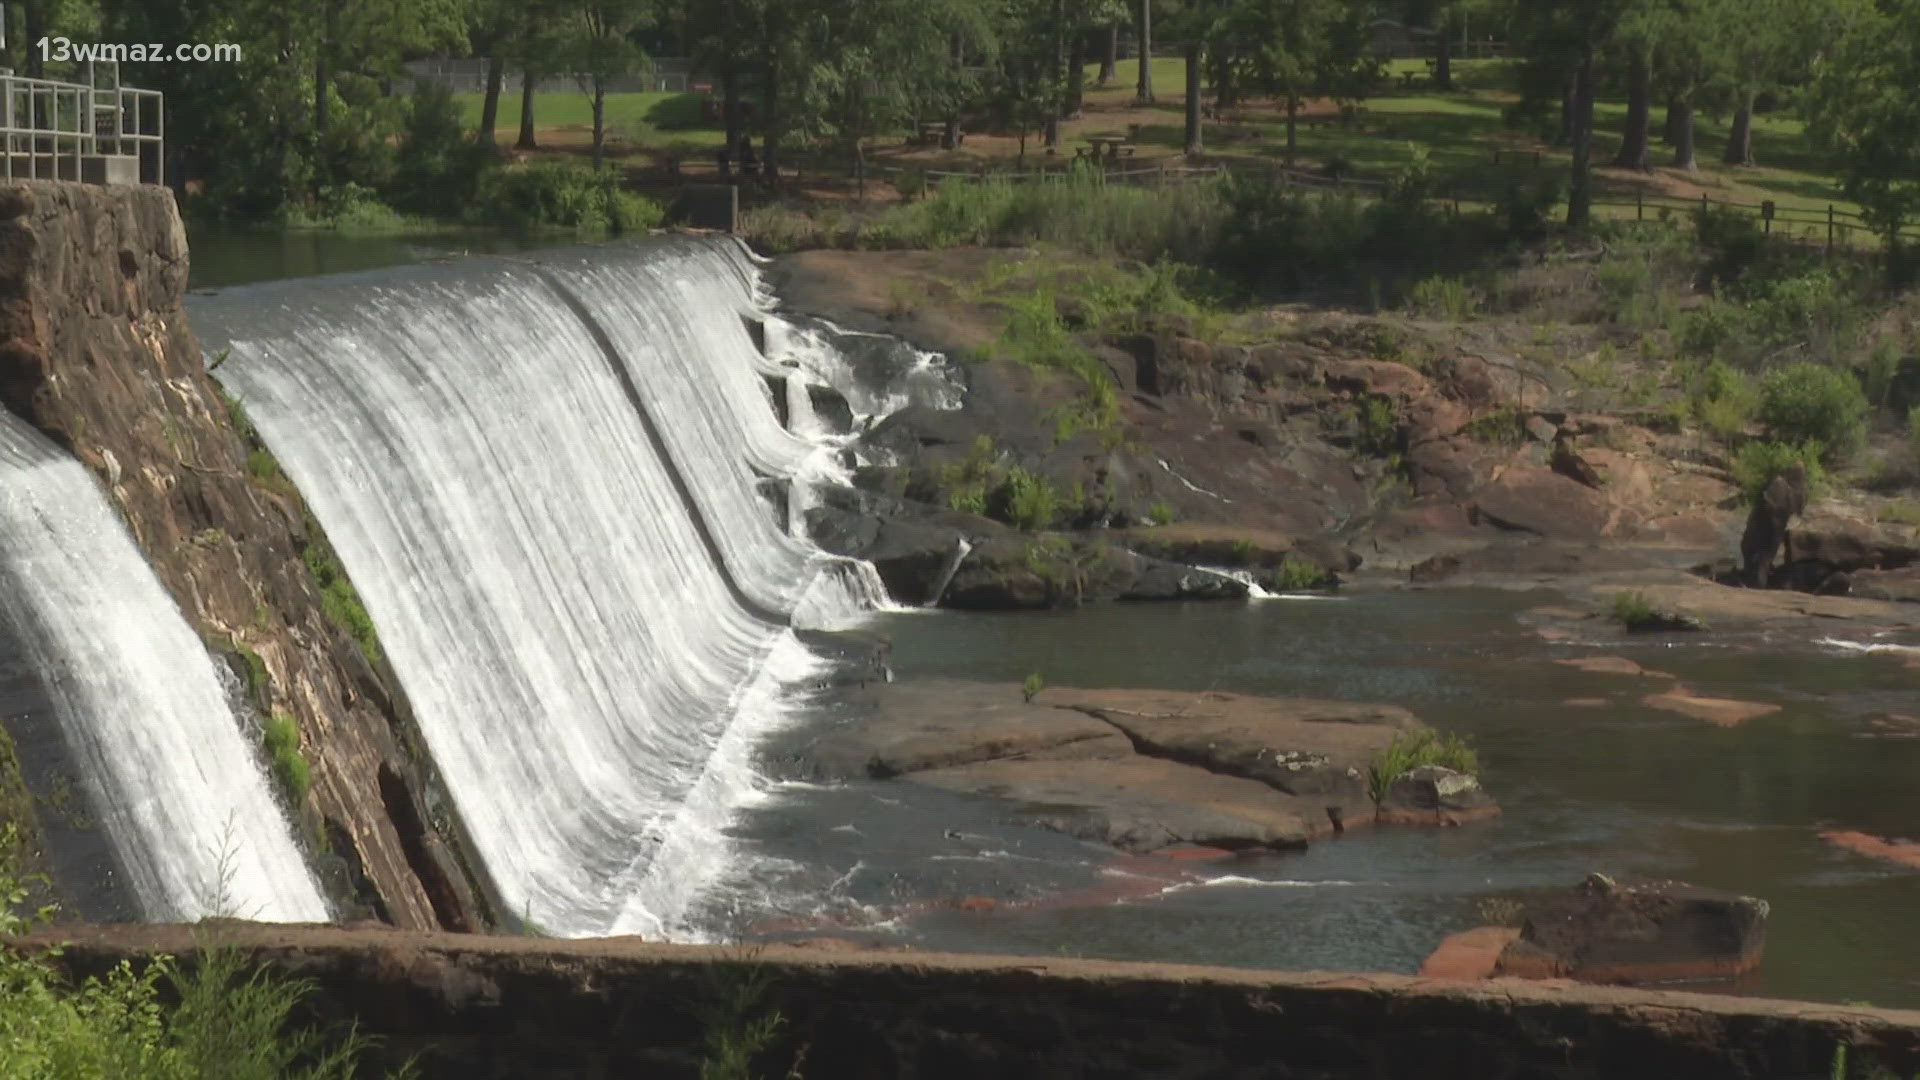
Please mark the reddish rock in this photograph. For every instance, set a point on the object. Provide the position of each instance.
(1469, 954)
(1545, 503)
(1586, 702)
(1611, 665)
(1904, 853)
(1724, 712)
(1652, 932)
(977, 903)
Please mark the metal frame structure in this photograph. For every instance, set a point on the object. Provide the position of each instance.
(97, 132)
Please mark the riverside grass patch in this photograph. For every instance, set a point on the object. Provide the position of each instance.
(1412, 749)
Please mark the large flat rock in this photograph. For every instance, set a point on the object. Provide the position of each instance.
(1141, 803)
(908, 727)
(1299, 746)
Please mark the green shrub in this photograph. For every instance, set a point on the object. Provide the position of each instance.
(1028, 501)
(1412, 749)
(1633, 610)
(1723, 400)
(1031, 688)
(1806, 402)
(1758, 462)
(1443, 297)
(338, 598)
(214, 1018)
(1161, 514)
(1299, 575)
(259, 685)
(281, 737)
(552, 195)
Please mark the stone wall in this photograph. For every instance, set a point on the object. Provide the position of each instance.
(95, 351)
(496, 1007)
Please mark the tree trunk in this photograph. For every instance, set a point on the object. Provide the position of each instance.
(1580, 193)
(1740, 139)
(1143, 90)
(1680, 122)
(770, 123)
(1293, 118)
(599, 122)
(1633, 143)
(1076, 74)
(34, 18)
(1194, 58)
(1225, 94)
(730, 106)
(1110, 54)
(528, 80)
(490, 105)
(1567, 93)
(1670, 128)
(1443, 59)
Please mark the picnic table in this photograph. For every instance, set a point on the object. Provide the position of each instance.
(934, 132)
(1110, 147)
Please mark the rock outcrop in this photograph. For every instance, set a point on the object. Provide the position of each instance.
(96, 353)
(1607, 931)
(1142, 770)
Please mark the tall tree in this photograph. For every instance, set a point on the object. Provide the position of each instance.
(1296, 49)
(1143, 86)
(1862, 108)
(1567, 37)
(600, 48)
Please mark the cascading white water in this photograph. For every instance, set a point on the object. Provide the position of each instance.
(540, 476)
(179, 790)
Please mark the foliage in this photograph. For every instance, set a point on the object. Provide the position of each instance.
(1031, 687)
(1035, 335)
(281, 737)
(1807, 402)
(1299, 575)
(1026, 500)
(1722, 399)
(1411, 749)
(338, 598)
(1758, 462)
(1635, 612)
(1862, 109)
(734, 1021)
(550, 194)
(1443, 297)
(215, 1018)
(1161, 514)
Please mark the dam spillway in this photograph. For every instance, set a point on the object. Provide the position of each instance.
(541, 477)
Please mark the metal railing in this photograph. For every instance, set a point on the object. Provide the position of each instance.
(96, 131)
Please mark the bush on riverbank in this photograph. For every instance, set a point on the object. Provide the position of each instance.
(558, 195)
(1808, 403)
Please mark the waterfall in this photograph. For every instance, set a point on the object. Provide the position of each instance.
(540, 475)
(177, 787)
(961, 547)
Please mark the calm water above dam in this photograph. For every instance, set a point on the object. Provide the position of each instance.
(1619, 788)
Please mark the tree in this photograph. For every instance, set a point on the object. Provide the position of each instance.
(600, 47)
(1143, 87)
(490, 25)
(1566, 37)
(1296, 49)
(1861, 107)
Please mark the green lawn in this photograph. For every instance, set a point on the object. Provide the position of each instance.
(641, 120)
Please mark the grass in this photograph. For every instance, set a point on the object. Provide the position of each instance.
(1298, 575)
(1412, 749)
(1031, 687)
(641, 116)
(281, 737)
(215, 1016)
